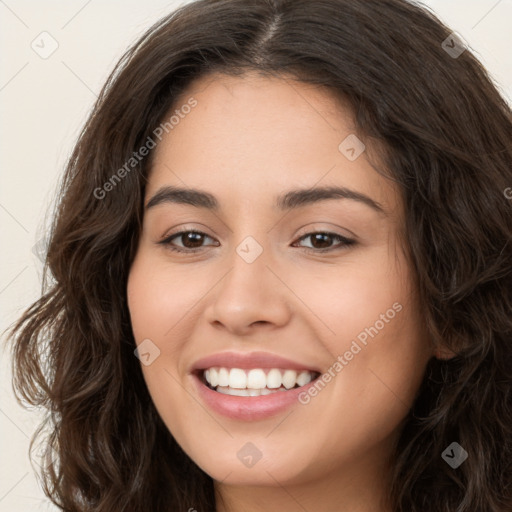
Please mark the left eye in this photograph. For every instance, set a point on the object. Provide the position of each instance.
(325, 238)
(193, 241)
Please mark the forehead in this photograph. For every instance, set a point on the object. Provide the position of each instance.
(252, 134)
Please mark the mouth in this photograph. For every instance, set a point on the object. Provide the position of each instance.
(251, 386)
(254, 382)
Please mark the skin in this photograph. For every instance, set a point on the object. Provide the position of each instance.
(248, 140)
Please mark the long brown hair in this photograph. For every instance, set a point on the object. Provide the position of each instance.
(445, 135)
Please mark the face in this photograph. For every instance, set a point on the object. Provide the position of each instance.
(263, 284)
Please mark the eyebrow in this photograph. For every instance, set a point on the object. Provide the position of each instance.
(287, 201)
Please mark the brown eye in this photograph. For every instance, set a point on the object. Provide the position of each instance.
(191, 241)
(322, 241)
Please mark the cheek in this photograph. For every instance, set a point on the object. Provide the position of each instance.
(157, 312)
(159, 299)
(352, 296)
(370, 317)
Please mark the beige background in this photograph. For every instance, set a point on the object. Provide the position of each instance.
(44, 103)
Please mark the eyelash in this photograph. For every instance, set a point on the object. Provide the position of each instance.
(345, 242)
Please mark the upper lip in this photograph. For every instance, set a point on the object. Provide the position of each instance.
(248, 360)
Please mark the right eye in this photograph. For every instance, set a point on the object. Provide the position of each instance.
(194, 238)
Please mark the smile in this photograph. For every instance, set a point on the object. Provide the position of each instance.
(251, 386)
(256, 381)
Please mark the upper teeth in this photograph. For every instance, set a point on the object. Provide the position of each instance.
(257, 378)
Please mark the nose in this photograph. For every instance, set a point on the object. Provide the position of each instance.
(249, 296)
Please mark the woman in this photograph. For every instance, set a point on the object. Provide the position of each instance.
(282, 271)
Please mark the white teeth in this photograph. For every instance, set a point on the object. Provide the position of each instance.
(233, 391)
(274, 379)
(214, 377)
(256, 381)
(223, 377)
(289, 378)
(246, 392)
(303, 378)
(237, 378)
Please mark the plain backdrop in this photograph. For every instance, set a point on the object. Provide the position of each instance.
(45, 101)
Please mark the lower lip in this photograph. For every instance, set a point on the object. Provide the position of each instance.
(249, 408)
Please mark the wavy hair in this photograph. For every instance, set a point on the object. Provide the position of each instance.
(444, 133)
